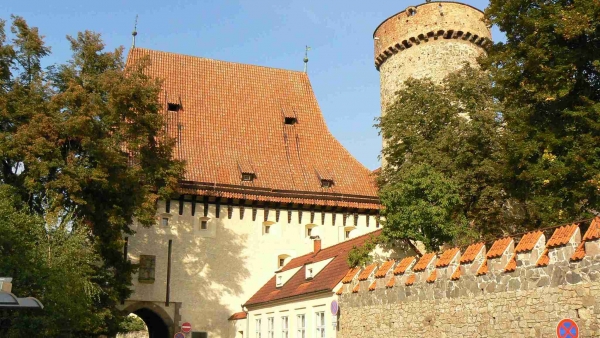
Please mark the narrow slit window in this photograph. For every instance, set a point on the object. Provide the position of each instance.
(291, 120)
(173, 107)
(204, 225)
(165, 221)
(146, 269)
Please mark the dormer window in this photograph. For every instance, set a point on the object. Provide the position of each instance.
(248, 177)
(326, 183)
(291, 120)
(173, 107)
(279, 280)
(309, 273)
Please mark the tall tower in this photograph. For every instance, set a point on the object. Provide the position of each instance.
(428, 40)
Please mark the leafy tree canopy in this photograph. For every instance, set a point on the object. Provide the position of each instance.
(82, 148)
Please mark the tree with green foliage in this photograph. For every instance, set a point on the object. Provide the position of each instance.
(547, 76)
(82, 146)
(443, 178)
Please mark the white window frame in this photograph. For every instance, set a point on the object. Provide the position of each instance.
(270, 327)
(258, 328)
(285, 324)
(301, 325)
(320, 324)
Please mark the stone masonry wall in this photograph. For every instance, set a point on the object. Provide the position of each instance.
(508, 291)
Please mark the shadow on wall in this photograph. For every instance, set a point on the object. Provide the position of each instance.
(208, 268)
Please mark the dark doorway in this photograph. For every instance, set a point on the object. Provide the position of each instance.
(156, 326)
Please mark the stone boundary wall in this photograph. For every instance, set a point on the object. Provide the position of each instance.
(506, 291)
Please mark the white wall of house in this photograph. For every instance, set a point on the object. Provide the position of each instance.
(214, 271)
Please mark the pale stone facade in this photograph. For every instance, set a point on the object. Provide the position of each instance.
(214, 271)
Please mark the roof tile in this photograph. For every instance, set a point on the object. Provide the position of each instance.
(471, 253)
(364, 275)
(499, 247)
(432, 277)
(331, 275)
(528, 241)
(384, 268)
(579, 253)
(483, 269)
(423, 263)
(410, 280)
(562, 235)
(219, 115)
(403, 265)
(350, 275)
(356, 288)
(238, 316)
(391, 283)
(456, 274)
(447, 257)
(593, 231)
(512, 264)
(544, 259)
(340, 291)
(373, 286)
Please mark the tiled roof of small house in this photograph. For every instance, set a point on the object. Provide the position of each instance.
(326, 280)
(410, 280)
(456, 274)
(579, 253)
(483, 269)
(403, 265)
(231, 119)
(512, 264)
(528, 241)
(350, 275)
(471, 253)
(446, 258)
(432, 277)
(593, 232)
(238, 316)
(499, 247)
(384, 268)
(562, 235)
(364, 275)
(544, 259)
(423, 263)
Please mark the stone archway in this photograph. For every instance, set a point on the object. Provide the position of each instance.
(159, 323)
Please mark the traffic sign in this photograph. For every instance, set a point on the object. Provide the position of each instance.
(179, 335)
(567, 328)
(186, 327)
(334, 307)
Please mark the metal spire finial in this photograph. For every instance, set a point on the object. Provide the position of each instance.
(306, 59)
(134, 33)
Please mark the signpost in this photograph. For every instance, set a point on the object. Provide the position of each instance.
(567, 328)
(335, 308)
(179, 335)
(186, 327)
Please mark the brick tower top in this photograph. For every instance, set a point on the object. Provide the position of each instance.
(429, 21)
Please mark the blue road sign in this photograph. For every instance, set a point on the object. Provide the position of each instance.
(567, 328)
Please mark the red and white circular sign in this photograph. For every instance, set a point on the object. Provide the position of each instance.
(186, 327)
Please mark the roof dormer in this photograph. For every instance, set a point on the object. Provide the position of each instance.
(282, 277)
(312, 269)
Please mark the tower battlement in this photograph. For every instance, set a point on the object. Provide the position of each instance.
(428, 40)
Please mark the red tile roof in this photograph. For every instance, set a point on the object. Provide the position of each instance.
(579, 253)
(356, 288)
(424, 262)
(544, 259)
(325, 280)
(528, 241)
(447, 257)
(384, 268)
(432, 277)
(456, 274)
(499, 247)
(483, 269)
(364, 275)
(562, 235)
(350, 275)
(471, 253)
(373, 286)
(238, 316)
(391, 283)
(593, 231)
(340, 291)
(410, 280)
(403, 265)
(512, 264)
(239, 110)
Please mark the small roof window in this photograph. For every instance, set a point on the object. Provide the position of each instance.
(326, 183)
(173, 106)
(291, 120)
(248, 177)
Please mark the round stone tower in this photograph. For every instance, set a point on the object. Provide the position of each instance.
(428, 40)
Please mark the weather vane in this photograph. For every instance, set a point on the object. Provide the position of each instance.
(134, 33)
(306, 58)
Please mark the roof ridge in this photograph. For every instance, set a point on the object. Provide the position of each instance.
(216, 60)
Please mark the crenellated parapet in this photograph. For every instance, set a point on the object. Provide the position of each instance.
(510, 264)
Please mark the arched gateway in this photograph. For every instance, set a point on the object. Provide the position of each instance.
(159, 323)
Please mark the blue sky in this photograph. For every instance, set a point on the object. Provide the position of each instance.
(262, 32)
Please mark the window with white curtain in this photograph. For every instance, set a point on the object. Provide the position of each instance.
(301, 326)
(320, 324)
(271, 327)
(258, 328)
(284, 327)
